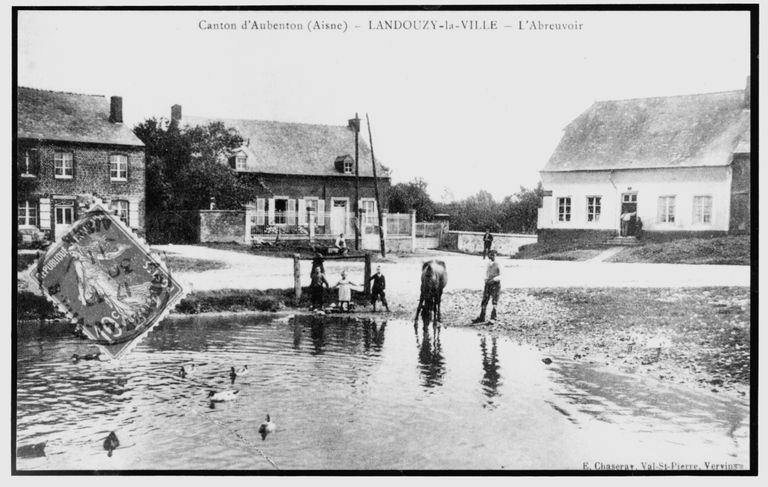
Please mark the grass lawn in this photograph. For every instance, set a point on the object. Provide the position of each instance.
(731, 250)
(177, 263)
(559, 250)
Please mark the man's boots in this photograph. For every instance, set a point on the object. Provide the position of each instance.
(480, 318)
(493, 314)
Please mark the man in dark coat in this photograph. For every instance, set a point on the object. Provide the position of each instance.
(487, 242)
(377, 290)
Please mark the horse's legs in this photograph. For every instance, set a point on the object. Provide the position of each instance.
(439, 305)
(418, 308)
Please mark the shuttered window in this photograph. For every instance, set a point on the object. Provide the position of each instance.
(27, 213)
(260, 211)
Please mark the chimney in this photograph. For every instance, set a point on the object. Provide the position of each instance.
(176, 113)
(116, 109)
(748, 93)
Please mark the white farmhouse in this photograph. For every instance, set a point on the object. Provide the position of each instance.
(681, 164)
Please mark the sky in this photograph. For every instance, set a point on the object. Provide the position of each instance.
(466, 110)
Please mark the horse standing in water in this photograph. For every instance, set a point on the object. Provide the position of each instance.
(434, 277)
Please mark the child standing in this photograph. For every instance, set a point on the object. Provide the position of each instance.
(316, 288)
(345, 291)
(377, 291)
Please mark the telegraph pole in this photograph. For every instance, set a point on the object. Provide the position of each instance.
(355, 122)
(382, 242)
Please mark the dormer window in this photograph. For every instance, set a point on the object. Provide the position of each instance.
(240, 162)
(349, 165)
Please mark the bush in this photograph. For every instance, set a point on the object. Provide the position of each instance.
(30, 306)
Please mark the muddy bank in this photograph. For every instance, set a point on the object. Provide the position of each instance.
(688, 336)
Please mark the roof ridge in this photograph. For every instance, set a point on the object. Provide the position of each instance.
(221, 119)
(60, 92)
(669, 96)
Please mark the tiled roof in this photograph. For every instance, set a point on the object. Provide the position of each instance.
(297, 148)
(70, 117)
(675, 131)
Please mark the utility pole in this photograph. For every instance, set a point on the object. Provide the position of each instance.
(376, 190)
(355, 123)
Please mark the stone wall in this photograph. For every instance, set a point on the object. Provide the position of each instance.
(472, 242)
(222, 226)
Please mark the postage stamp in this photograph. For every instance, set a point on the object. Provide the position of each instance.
(105, 278)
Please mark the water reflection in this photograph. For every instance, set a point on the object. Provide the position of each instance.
(431, 360)
(491, 376)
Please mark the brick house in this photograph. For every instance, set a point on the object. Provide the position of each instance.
(73, 148)
(301, 169)
(681, 163)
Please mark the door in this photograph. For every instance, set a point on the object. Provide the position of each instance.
(628, 214)
(338, 216)
(64, 215)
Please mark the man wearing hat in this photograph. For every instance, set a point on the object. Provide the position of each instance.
(491, 289)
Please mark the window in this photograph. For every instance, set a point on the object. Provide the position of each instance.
(593, 208)
(349, 165)
(118, 167)
(281, 209)
(240, 162)
(666, 209)
(629, 198)
(62, 165)
(120, 209)
(702, 209)
(27, 214)
(27, 169)
(564, 209)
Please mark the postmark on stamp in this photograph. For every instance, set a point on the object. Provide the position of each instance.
(101, 275)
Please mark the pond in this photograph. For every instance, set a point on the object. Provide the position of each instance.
(354, 394)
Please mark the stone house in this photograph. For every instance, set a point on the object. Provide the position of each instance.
(70, 149)
(681, 164)
(300, 170)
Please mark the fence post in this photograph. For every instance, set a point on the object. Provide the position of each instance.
(413, 230)
(296, 280)
(367, 274)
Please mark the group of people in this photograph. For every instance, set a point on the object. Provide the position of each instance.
(344, 286)
(491, 288)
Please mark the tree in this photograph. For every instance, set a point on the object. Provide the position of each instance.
(404, 197)
(185, 167)
(520, 212)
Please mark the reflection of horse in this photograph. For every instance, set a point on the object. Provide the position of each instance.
(431, 361)
(434, 277)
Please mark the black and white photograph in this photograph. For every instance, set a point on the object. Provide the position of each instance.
(383, 239)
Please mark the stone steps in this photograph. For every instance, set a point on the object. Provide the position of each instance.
(624, 241)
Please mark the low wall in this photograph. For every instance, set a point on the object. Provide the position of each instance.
(222, 226)
(472, 242)
(675, 235)
(427, 242)
(591, 237)
(399, 244)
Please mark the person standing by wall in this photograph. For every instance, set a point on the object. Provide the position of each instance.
(487, 242)
(491, 289)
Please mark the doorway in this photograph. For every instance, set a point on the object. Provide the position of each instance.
(628, 215)
(64, 215)
(339, 211)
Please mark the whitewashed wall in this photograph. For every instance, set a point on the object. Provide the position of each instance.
(650, 184)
